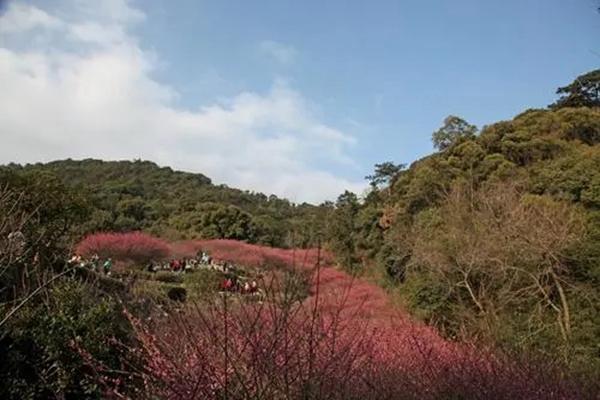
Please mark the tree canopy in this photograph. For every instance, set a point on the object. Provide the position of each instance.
(584, 91)
(139, 195)
(495, 235)
(454, 130)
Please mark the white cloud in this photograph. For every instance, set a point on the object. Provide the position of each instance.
(92, 95)
(282, 53)
(93, 32)
(22, 17)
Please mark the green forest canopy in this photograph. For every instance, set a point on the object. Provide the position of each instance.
(140, 195)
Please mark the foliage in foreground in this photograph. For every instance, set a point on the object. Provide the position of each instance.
(318, 350)
(39, 346)
(47, 306)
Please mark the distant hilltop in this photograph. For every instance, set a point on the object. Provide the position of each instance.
(140, 195)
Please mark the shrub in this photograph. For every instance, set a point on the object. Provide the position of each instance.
(132, 274)
(202, 284)
(311, 350)
(177, 293)
(134, 247)
(343, 341)
(150, 293)
(168, 277)
(39, 359)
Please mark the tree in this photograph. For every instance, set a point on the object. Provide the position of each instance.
(342, 229)
(227, 222)
(39, 211)
(134, 247)
(499, 250)
(584, 91)
(384, 174)
(454, 130)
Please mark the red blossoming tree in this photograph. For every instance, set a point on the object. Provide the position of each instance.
(134, 247)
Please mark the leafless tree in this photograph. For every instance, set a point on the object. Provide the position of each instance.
(500, 248)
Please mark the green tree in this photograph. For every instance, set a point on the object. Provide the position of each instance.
(454, 130)
(342, 230)
(584, 91)
(227, 222)
(384, 174)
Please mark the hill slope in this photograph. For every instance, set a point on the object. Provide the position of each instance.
(140, 195)
(496, 235)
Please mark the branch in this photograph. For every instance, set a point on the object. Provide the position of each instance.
(31, 295)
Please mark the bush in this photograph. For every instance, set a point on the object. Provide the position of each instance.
(150, 293)
(202, 284)
(177, 293)
(168, 277)
(132, 274)
(242, 350)
(134, 247)
(39, 347)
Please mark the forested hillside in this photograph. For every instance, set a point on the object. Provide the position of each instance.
(140, 195)
(497, 234)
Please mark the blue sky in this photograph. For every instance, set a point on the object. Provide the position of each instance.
(298, 98)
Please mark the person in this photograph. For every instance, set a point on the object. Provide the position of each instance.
(236, 283)
(107, 266)
(246, 287)
(16, 242)
(227, 284)
(253, 287)
(75, 260)
(150, 267)
(94, 262)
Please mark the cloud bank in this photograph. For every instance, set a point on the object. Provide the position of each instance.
(76, 83)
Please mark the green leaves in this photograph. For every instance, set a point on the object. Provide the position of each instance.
(384, 174)
(140, 195)
(584, 91)
(454, 131)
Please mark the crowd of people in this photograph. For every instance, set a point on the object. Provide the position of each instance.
(94, 263)
(234, 284)
(202, 260)
(232, 281)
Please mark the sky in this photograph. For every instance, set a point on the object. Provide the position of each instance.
(295, 98)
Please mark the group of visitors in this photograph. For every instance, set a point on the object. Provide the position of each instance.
(94, 263)
(186, 264)
(232, 282)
